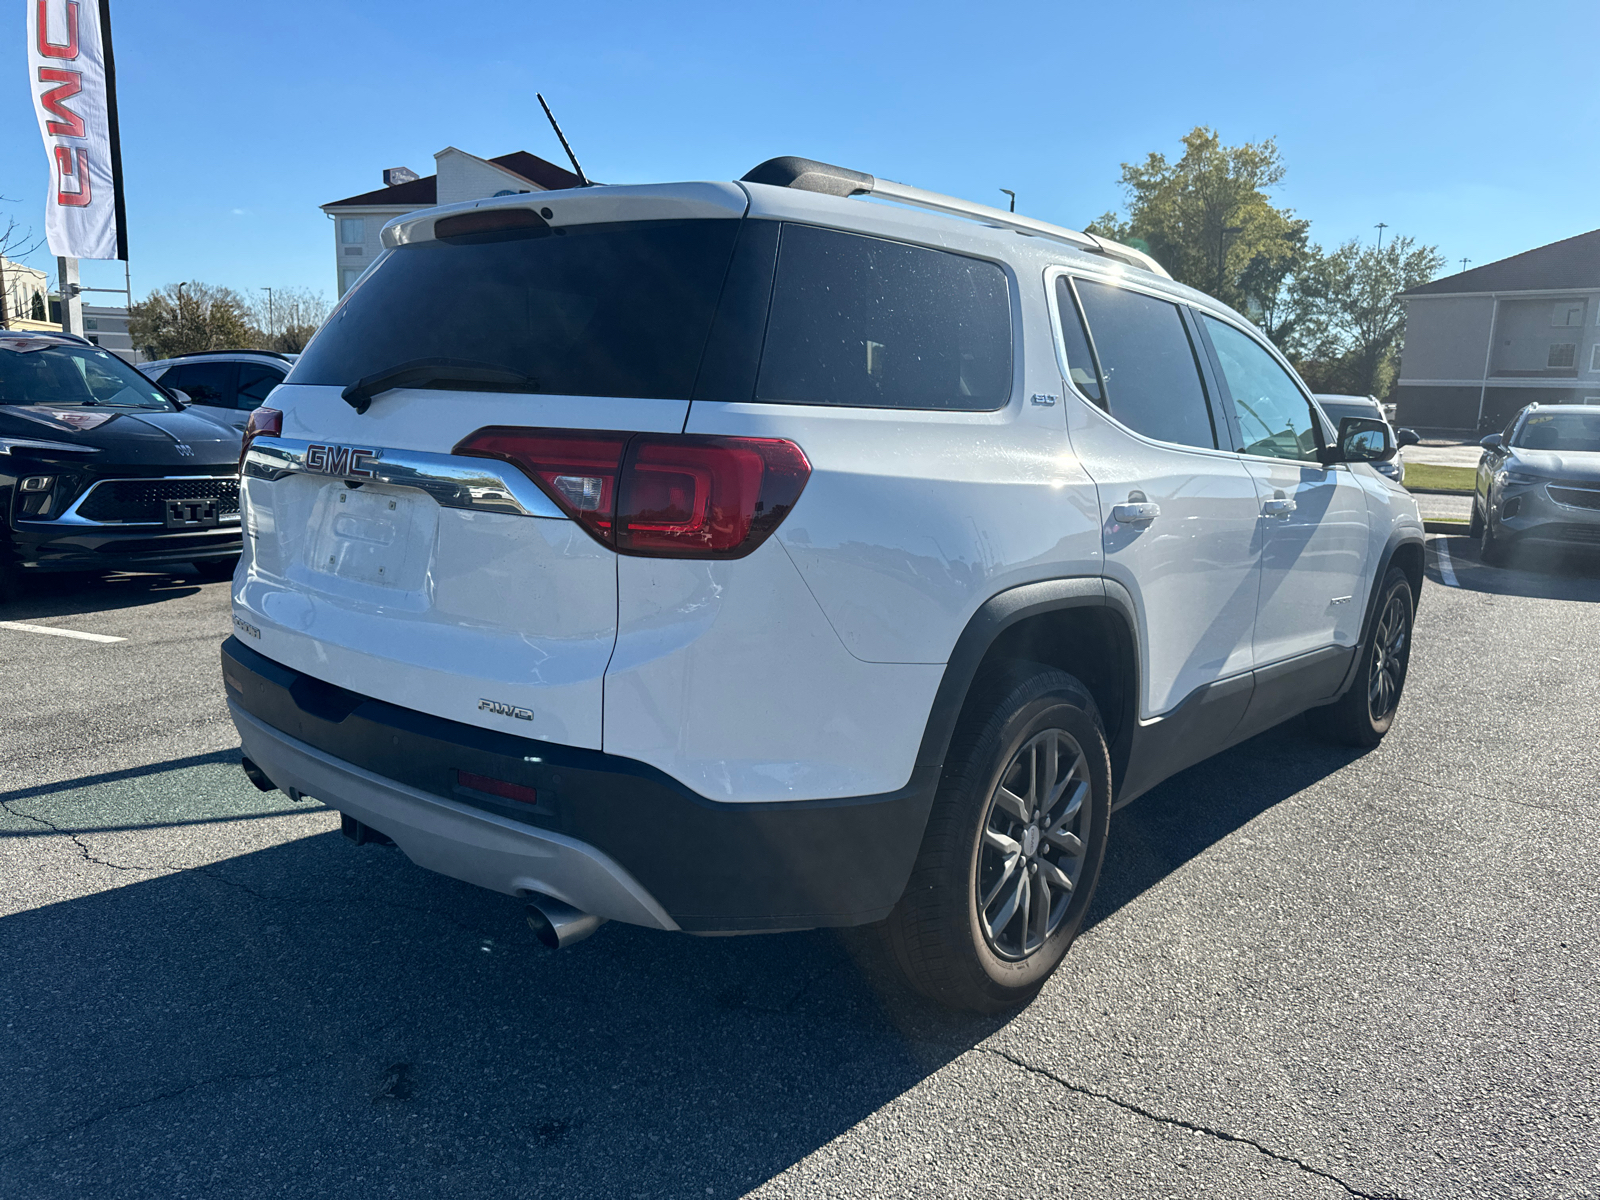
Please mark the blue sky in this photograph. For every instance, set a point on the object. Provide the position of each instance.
(1469, 125)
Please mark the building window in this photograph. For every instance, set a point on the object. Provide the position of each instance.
(353, 232)
(1567, 313)
(1594, 358)
(91, 323)
(347, 279)
(1562, 354)
(352, 251)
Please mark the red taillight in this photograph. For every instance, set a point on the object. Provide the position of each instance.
(577, 468)
(663, 495)
(263, 422)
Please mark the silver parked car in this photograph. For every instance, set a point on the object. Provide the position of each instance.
(1366, 408)
(227, 384)
(1539, 481)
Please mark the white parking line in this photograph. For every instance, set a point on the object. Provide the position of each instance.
(1447, 571)
(71, 633)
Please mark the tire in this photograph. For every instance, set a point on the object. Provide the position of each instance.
(1492, 547)
(1366, 712)
(1475, 528)
(1020, 725)
(216, 568)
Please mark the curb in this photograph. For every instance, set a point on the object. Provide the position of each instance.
(1445, 527)
(1416, 491)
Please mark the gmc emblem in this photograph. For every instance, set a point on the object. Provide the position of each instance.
(354, 462)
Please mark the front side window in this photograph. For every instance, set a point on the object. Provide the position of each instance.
(1275, 418)
(1151, 377)
(869, 323)
(203, 382)
(352, 230)
(614, 309)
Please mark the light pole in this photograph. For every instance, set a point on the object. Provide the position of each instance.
(1013, 196)
(270, 330)
(1464, 263)
(1380, 227)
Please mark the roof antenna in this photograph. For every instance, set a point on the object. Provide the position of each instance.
(583, 180)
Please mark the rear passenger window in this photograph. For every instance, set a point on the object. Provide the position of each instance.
(869, 323)
(255, 381)
(1152, 379)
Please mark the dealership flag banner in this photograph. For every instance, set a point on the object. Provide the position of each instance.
(75, 98)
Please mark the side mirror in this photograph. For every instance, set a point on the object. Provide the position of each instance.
(182, 398)
(1406, 437)
(1492, 442)
(1364, 439)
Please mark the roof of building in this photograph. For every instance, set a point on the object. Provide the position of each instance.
(424, 192)
(1573, 262)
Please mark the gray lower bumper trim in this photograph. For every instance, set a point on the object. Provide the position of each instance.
(452, 838)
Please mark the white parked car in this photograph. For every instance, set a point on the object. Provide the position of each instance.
(734, 557)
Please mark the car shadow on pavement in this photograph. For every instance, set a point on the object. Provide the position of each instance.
(320, 1019)
(69, 593)
(1534, 572)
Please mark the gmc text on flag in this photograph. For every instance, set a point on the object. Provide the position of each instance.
(73, 77)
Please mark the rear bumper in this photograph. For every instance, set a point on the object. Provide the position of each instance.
(609, 835)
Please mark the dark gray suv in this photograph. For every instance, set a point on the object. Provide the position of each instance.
(1539, 481)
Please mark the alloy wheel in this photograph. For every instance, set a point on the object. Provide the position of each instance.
(1390, 644)
(1032, 853)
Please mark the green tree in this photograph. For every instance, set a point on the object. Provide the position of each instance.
(1351, 324)
(183, 318)
(1208, 220)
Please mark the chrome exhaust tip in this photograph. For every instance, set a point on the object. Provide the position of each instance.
(558, 925)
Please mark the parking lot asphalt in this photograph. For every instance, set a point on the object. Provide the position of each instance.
(1309, 971)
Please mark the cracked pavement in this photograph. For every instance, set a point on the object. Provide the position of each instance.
(1309, 973)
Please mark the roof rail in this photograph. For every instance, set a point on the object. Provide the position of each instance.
(203, 353)
(808, 175)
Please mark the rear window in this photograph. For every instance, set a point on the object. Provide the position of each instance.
(620, 309)
(867, 323)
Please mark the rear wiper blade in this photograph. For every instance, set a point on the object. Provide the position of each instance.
(453, 374)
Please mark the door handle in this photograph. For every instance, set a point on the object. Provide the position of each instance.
(1136, 513)
(1279, 506)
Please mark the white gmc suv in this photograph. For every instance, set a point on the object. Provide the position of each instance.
(736, 557)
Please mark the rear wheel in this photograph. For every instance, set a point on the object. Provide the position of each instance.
(1013, 847)
(1366, 712)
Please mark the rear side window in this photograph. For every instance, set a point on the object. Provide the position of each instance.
(617, 309)
(869, 323)
(1075, 340)
(1151, 377)
(255, 381)
(204, 382)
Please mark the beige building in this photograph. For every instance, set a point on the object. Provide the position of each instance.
(457, 176)
(1482, 343)
(27, 293)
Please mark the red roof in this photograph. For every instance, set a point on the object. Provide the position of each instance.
(421, 193)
